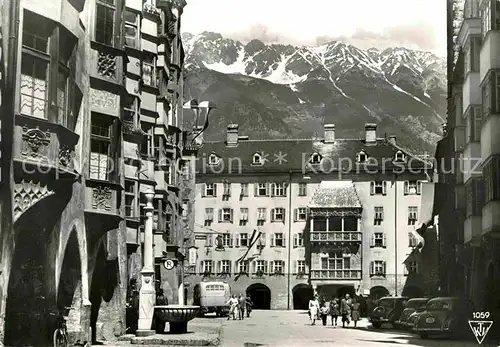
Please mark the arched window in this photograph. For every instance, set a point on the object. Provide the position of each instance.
(362, 157)
(257, 159)
(213, 159)
(315, 158)
(399, 156)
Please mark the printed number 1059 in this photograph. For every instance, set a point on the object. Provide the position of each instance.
(481, 315)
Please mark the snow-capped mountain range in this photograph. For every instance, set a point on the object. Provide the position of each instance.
(294, 90)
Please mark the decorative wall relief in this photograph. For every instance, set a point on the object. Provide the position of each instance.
(101, 198)
(35, 143)
(66, 156)
(106, 65)
(103, 99)
(26, 194)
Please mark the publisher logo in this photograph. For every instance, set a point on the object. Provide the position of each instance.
(480, 329)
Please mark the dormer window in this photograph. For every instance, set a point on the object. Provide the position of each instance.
(362, 157)
(315, 158)
(399, 156)
(257, 159)
(213, 159)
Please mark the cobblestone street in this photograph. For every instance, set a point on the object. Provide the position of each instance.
(292, 328)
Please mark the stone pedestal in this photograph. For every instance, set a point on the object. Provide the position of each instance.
(147, 294)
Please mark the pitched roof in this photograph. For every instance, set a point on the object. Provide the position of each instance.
(285, 155)
(335, 194)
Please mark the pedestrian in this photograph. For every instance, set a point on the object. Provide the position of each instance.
(355, 311)
(249, 304)
(233, 306)
(241, 307)
(334, 311)
(314, 309)
(324, 312)
(345, 310)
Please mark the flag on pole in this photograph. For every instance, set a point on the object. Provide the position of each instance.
(253, 240)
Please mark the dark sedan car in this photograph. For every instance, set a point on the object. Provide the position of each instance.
(445, 316)
(412, 305)
(388, 310)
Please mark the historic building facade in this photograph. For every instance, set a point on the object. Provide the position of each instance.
(280, 218)
(471, 244)
(96, 117)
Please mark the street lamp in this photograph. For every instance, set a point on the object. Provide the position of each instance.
(201, 110)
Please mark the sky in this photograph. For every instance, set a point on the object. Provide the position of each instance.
(414, 24)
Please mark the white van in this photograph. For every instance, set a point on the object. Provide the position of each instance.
(212, 297)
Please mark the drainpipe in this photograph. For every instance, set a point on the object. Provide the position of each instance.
(289, 246)
(396, 235)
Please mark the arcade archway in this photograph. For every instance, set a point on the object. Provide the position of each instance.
(412, 292)
(302, 293)
(260, 295)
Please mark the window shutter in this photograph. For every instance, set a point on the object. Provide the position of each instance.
(209, 240)
(284, 215)
(230, 265)
(372, 268)
(236, 267)
(219, 266)
(382, 214)
(220, 215)
(202, 270)
(384, 267)
(263, 239)
(271, 267)
(383, 240)
(232, 215)
(215, 189)
(267, 189)
(273, 189)
(384, 187)
(237, 240)
(295, 214)
(372, 188)
(407, 188)
(373, 240)
(295, 240)
(266, 268)
(254, 266)
(296, 269)
(255, 189)
(204, 190)
(284, 240)
(272, 215)
(284, 267)
(419, 187)
(230, 240)
(273, 240)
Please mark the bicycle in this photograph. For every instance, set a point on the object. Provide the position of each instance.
(60, 336)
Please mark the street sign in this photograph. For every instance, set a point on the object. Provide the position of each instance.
(169, 264)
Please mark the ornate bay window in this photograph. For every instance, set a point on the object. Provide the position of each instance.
(47, 55)
(491, 93)
(105, 22)
(131, 200)
(473, 119)
(491, 174)
(149, 71)
(474, 190)
(103, 150)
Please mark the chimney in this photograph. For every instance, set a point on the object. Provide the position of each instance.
(232, 135)
(370, 134)
(392, 139)
(329, 133)
(199, 138)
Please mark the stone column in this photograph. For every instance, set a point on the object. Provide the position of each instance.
(147, 294)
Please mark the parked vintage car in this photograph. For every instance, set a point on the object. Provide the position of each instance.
(445, 316)
(413, 319)
(412, 306)
(388, 310)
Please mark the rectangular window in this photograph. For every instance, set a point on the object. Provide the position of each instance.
(486, 97)
(131, 201)
(378, 240)
(261, 266)
(225, 266)
(486, 17)
(100, 148)
(412, 240)
(210, 190)
(378, 215)
(261, 216)
(335, 261)
(378, 188)
(411, 267)
(207, 266)
(278, 189)
(412, 215)
(301, 266)
(243, 267)
(148, 71)
(412, 187)
(471, 9)
(243, 216)
(148, 145)
(226, 240)
(474, 190)
(474, 121)
(131, 112)
(298, 240)
(279, 240)
(278, 266)
(131, 31)
(226, 215)
(185, 210)
(301, 214)
(244, 189)
(278, 214)
(471, 54)
(244, 240)
(226, 189)
(262, 189)
(105, 22)
(302, 189)
(378, 268)
(209, 216)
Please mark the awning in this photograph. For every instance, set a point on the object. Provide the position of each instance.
(335, 194)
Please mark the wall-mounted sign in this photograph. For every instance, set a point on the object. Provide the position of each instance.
(192, 255)
(169, 264)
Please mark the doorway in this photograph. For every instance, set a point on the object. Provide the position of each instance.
(260, 295)
(302, 293)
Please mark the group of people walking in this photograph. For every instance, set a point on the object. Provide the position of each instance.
(346, 308)
(238, 306)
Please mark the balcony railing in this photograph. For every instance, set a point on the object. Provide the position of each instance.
(336, 236)
(336, 274)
